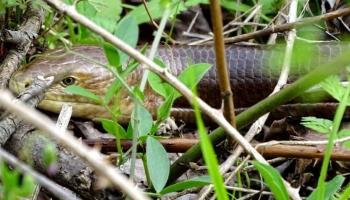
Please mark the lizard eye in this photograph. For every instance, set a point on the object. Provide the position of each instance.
(68, 81)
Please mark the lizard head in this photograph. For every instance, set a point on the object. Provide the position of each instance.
(68, 68)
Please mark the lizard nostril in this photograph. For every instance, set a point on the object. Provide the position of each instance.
(26, 85)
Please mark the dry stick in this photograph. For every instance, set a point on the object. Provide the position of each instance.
(91, 156)
(296, 149)
(247, 19)
(288, 26)
(257, 126)
(150, 65)
(306, 152)
(221, 63)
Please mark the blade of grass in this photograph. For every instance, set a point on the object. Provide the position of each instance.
(210, 156)
(336, 124)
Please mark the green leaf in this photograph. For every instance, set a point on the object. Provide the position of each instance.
(140, 13)
(318, 124)
(158, 163)
(49, 155)
(210, 157)
(192, 75)
(158, 84)
(114, 128)
(346, 193)
(128, 31)
(112, 55)
(344, 133)
(234, 6)
(195, 182)
(104, 13)
(141, 120)
(331, 188)
(111, 91)
(163, 111)
(273, 179)
(82, 92)
(333, 86)
(27, 187)
(271, 6)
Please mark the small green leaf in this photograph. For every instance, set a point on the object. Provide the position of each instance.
(141, 120)
(158, 163)
(209, 156)
(333, 86)
(112, 55)
(331, 188)
(344, 133)
(345, 195)
(234, 6)
(114, 128)
(158, 84)
(82, 92)
(163, 111)
(318, 124)
(27, 187)
(273, 179)
(192, 75)
(111, 91)
(187, 184)
(128, 31)
(49, 155)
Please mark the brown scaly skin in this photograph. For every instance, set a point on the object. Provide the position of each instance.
(252, 69)
(92, 76)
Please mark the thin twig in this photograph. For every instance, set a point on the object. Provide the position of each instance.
(221, 63)
(288, 26)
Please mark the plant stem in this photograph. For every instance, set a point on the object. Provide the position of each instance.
(335, 128)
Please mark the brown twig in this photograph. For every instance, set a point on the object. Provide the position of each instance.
(277, 150)
(288, 26)
(221, 63)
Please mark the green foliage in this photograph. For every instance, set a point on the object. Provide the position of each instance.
(193, 72)
(342, 134)
(210, 157)
(128, 31)
(163, 111)
(187, 184)
(115, 129)
(141, 120)
(50, 155)
(345, 195)
(234, 6)
(333, 87)
(112, 55)
(331, 188)
(105, 13)
(82, 92)
(15, 186)
(318, 124)
(271, 6)
(273, 179)
(158, 163)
